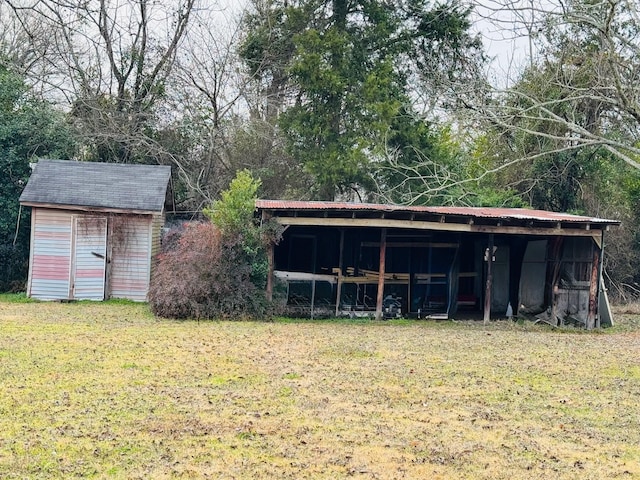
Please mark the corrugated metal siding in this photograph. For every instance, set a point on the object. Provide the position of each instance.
(156, 234)
(51, 254)
(130, 238)
(130, 241)
(533, 276)
(156, 229)
(89, 257)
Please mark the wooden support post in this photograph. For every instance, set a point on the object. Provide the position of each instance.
(602, 291)
(487, 290)
(270, 262)
(593, 289)
(313, 296)
(409, 282)
(340, 267)
(381, 271)
(556, 258)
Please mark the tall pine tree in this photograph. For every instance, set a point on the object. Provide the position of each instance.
(339, 76)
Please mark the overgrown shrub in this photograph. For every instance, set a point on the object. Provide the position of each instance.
(204, 276)
(218, 269)
(233, 215)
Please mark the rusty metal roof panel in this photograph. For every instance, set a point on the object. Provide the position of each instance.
(519, 214)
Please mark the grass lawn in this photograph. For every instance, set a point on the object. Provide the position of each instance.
(108, 391)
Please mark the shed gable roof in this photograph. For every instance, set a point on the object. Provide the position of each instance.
(68, 184)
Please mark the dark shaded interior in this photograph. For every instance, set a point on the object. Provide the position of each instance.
(432, 273)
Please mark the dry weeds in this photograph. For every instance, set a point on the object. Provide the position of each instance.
(107, 391)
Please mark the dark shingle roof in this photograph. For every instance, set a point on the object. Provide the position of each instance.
(101, 185)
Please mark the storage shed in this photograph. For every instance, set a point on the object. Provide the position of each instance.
(94, 228)
(360, 259)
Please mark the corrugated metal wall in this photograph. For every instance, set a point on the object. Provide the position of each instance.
(49, 269)
(69, 250)
(156, 233)
(130, 238)
(533, 277)
(156, 236)
(89, 259)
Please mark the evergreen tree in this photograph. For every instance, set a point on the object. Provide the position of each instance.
(341, 75)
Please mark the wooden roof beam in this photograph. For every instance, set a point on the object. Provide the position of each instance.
(427, 225)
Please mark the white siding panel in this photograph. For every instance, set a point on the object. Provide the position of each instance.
(156, 233)
(51, 254)
(130, 267)
(90, 258)
(49, 289)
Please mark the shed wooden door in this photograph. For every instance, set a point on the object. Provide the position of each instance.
(89, 258)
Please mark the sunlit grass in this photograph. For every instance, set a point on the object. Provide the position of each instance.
(105, 390)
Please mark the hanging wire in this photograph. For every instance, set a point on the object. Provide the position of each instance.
(15, 237)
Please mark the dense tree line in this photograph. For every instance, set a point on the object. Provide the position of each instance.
(29, 129)
(379, 100)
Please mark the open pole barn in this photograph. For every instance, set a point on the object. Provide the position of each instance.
(383, 261)
(94, 228)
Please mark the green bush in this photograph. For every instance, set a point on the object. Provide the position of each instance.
(203, 277)
(218, 269)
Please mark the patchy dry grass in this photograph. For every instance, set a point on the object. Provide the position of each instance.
(107, 391)
(627, 316)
